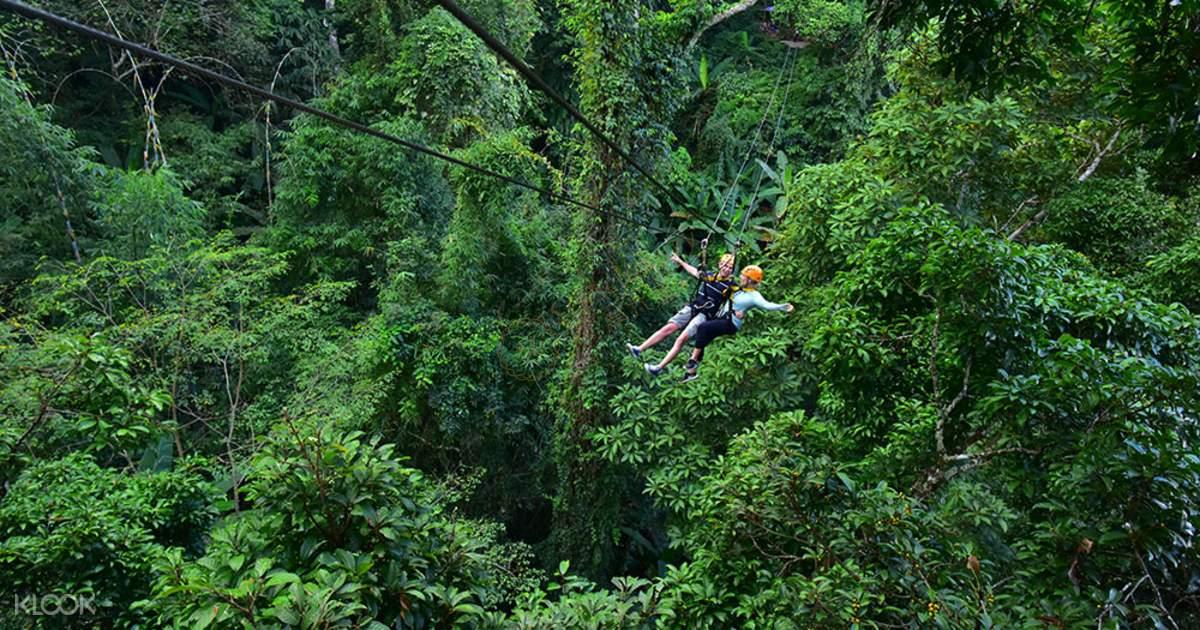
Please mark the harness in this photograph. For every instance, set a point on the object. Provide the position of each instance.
(726, 310)
(711, 294)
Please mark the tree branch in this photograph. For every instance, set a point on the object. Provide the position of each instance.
(1157, 593)
(944, 412)
(962, 463)
(44, 408)
(975, 459)
(717, 19)
(1088, 171)
(1032, 201)
(1091, 168)
(1037, 218)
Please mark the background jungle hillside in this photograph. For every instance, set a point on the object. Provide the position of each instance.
(259, 369)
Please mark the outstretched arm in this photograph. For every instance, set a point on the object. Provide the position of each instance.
(762, 303)
(695, 273)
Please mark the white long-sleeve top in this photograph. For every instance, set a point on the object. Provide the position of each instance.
(747, 300)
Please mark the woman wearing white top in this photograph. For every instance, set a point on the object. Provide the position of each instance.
(747, 298)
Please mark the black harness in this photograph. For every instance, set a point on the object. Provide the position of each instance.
(712, 293)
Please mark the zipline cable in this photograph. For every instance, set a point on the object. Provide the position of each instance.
(788, 62)
(56, 20)
(786, 68)
(540, 84)
(774, 134)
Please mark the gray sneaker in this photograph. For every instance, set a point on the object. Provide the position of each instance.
(637, 354)
(654, 370)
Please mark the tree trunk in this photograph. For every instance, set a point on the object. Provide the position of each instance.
(330, 6)
(587, 505)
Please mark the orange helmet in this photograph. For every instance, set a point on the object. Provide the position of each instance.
(754, 272)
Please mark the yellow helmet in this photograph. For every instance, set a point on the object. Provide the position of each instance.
(726, 258)
(754, 272)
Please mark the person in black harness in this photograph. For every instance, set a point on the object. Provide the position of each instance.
(713, 290)
(744, 299)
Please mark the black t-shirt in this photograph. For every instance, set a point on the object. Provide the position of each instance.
(711, 293)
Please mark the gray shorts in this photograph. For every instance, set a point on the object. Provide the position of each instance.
(688, 319)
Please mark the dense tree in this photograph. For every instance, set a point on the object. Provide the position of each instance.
(258, 370)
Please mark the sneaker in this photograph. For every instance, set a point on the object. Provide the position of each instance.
(690, 375)
(654, 370)
(637, 354)
(691, 365)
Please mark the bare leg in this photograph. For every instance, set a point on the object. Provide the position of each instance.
(675, 349)
(658, 336)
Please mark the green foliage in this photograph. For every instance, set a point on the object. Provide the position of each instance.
(434, 71)
(1174, 275)
(1152, 90)
(843, 204)
(239, 34)
(623, 74)
(570, 601)
(137, 211)
(1052, 361)
(340, 533)
(977, 156)
(961, 366)
(38, 159)
(201, 325)
(824, 105)
(451, 389)
(778, 531)
(69, 392)
(368, 389)
(72, 527)
(827, 23)
(347, 201)
(996, 46)
(513, 22)
(493, 240)
(451, 81)
(224, 168)
(1118, 223)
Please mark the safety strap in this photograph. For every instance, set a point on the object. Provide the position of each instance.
(709, 303)
(727, 308)
(703, 265)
